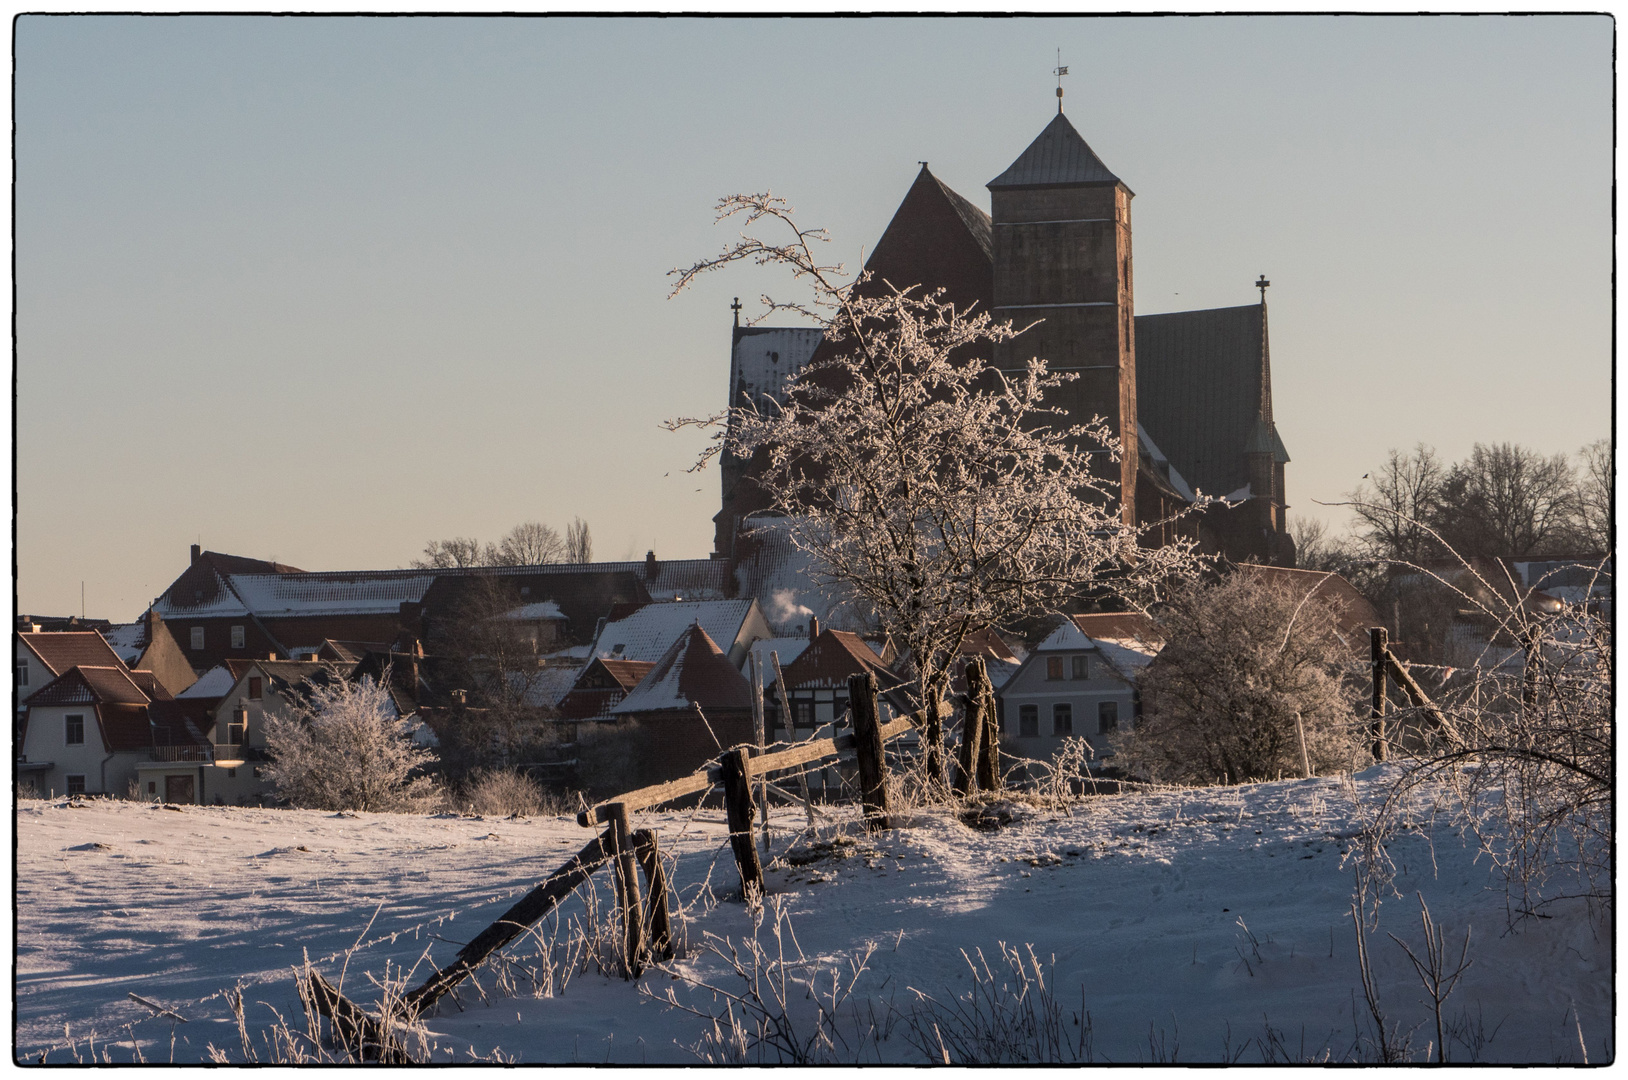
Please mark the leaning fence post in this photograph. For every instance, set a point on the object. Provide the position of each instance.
(762, 743)
(791, 726)
(738, 807)
(868, 750)
(627, 889)
(648, 850)
(1377, 648)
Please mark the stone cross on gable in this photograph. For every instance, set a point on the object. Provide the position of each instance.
(736, 308)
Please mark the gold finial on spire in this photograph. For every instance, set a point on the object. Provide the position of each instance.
(1060, 72)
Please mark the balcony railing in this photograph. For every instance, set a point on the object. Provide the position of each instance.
(182, 753)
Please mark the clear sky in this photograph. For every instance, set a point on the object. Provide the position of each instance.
(323, 289)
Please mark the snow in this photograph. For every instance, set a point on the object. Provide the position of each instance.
(224, 603)
(1066, 636)
(786, 648)
(547, 609)
(1145, 902)
(217, 682)
(127, 639)
(330, 594)
(647, 633)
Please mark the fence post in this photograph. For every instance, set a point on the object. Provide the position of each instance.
(1377, 648)
(868, 751)
(738, 807)
(935, 744)
(648, 850)
(791, 727)
(972, 728)
(627, 890)
(762, 743)
(989, 765)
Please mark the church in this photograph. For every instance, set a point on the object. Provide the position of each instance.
(1188, 394)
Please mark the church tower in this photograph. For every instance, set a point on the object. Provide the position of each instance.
(1062, 254)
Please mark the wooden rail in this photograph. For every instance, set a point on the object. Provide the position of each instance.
(801, 754)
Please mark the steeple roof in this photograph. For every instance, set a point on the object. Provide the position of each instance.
(1058, 156)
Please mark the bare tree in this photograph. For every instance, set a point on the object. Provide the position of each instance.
(1247, 665)
(1596, 477)
(1394, 501)
(531, 543)
(346, 748)
(943, 493)
(579, 546)
(448, 554)
(1506, 502)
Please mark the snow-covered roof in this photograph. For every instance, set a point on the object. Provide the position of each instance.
(127, 639)
(693, 670)
(764, 358)
(547, 609)
(1126, 661)
(224, 602)
(1157, 456)
(330, 594)
(1066, 636)
(787, 648)
(217, 682)
(772, 569)
(648, 632)
(549, 685)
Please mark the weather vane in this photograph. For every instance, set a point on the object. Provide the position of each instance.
(1060, 71)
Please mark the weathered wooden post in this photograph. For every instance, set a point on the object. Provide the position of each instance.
(791, 726)
(762, 744)
(868, 751)
(989, 765)
(1305, 758)
(737, 780)
(973, 727)
(1377, 648)
(627, 890)
(935, 743)
(659, 922)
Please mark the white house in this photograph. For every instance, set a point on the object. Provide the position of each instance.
(1074, 686)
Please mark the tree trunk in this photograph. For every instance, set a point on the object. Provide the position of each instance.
(868, 751)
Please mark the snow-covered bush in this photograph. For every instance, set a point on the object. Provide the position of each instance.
(503, 791)
(1246, 666)
(347, 748)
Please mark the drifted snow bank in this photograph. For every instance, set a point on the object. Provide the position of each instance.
(1143, 900)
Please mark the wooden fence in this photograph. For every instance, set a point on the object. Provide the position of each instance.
(647, 932)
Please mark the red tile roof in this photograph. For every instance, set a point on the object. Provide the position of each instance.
(150, 685)
(602, 684)
(59, 652)
(988, 644)
(831, 658)
(1119, 626)
(125, 727)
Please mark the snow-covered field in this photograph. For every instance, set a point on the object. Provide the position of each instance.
(1143, 900)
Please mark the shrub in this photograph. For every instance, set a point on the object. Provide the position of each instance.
(501, 792)
(1244, 658)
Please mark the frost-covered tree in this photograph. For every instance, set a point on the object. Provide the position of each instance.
(940, 492)
(1242, 659)
(346, 748)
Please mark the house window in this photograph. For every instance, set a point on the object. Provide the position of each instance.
(231, 772)
(254, 688)
(237, 637)
(234, 730)
(152, 787)
(803, 711)
(75, 734)
(76, 784)
(197, 637)
(1062, 719)
(1054, 667)
(1107, 717)
(1082, 667)
(22, 673)
(1028, 721)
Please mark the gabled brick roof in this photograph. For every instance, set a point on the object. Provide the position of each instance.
(830, 658)
(88, 684)
(61, 651)
(601, 686)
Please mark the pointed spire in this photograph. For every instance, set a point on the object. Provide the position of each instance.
(1058, 156)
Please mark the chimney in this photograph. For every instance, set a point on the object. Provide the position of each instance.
(196, 551)
(813, 627)
(650, 566)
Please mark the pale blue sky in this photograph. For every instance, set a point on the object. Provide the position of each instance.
(324, 289)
